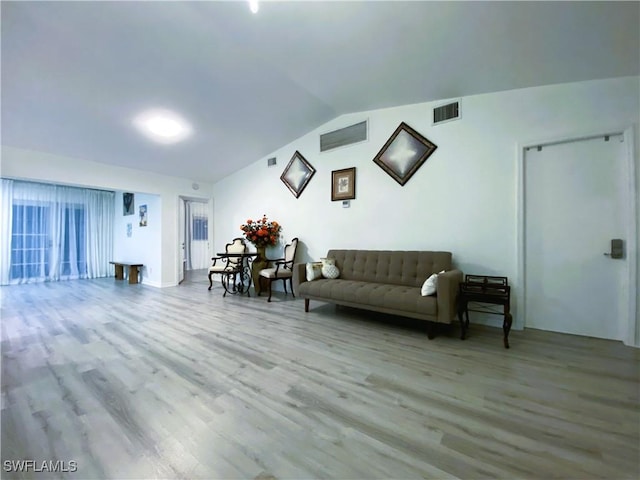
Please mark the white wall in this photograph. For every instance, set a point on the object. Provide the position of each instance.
(463, 199)
(38, 166)
(144, 244)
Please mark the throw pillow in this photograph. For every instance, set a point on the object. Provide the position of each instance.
(430, 285)
(330, 271)
(314, 271)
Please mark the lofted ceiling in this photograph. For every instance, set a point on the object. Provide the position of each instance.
(74, 74)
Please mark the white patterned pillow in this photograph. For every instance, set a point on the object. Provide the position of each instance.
(330, 271)
(430, 285)
(314, 271)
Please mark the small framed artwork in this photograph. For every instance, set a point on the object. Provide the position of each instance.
(297, 174)
(343, 184)
(404, 153)
(143, 215)
(127, 204)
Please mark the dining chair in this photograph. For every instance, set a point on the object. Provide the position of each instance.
(226, 266)
(283, 269)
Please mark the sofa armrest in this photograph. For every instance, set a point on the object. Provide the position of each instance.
(299, 276)
(447, 295)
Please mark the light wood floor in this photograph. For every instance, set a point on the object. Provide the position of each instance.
(131, 381)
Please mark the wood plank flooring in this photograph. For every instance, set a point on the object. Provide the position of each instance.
(130, 381)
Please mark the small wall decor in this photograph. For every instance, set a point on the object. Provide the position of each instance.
(127, 204)
(297, 174)
(129, 229)
(404, 153)
(143, 215)
(343, 184)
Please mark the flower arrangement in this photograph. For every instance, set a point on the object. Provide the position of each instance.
(262, 232)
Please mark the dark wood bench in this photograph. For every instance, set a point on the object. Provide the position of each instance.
(134, 270)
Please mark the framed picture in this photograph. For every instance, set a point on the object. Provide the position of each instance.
(127, 204)
(343, 184)
(297, 174)
(404, 153)
(143, 215)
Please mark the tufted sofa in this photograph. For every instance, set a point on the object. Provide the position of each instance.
(386, 281)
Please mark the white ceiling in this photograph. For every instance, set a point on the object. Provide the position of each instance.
(75, 73)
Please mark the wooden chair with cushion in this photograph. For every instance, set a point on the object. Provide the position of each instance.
(283, 269)
(226, 266)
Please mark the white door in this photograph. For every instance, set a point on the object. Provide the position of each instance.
(181, 241)
(197, 235)
(574, 205)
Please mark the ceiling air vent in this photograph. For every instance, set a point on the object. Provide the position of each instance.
(446, 113)
(271, 162)
(345, 136)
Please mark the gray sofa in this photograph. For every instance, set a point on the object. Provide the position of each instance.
(388, 282)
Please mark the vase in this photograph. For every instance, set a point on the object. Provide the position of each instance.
(259, 262)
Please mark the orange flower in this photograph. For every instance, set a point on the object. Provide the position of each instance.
(261, 232)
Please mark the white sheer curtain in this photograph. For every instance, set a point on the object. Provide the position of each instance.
(99, 240)
(197, 235)
(52, 232)
(6, 214)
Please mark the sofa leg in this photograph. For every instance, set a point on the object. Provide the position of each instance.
(431, 330)
(306, 304)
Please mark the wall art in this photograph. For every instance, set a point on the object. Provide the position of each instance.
(404, 153)
(297, 174)
(343, 184)
(143, 215)
(127, 203)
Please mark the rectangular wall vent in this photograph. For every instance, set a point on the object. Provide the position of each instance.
(446, 113)
(345, 136)
(271, 162)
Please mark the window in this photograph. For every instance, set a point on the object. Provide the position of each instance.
(74, 255)
(54, 232)
(200, 228)
(32, 240)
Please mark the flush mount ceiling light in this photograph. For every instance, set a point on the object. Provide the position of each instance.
(162, 126)
(253, 5)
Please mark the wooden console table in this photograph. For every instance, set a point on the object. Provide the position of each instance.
(488, 290)
(134, 270)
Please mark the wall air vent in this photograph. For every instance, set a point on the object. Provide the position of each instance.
(446, 113)
(271, 162)
(345, 136)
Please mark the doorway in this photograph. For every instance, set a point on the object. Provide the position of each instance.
(576, 199)
(194, 238)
